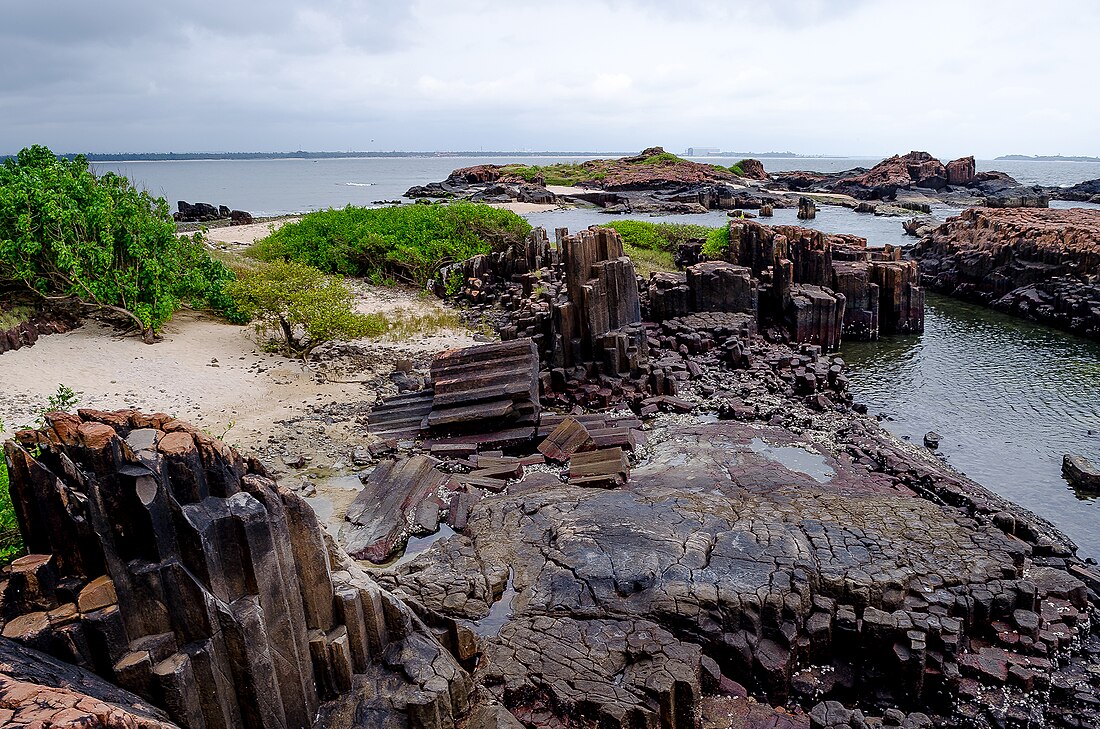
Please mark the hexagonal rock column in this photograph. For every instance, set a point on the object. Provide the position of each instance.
(169, 565)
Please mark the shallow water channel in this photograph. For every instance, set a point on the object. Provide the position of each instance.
(1009, 398)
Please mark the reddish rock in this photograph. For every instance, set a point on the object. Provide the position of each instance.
(1035, 263)
(753, 169)
(960, 171)
(882, 182)
(475, 174)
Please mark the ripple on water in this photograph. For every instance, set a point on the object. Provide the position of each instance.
(1009, 397)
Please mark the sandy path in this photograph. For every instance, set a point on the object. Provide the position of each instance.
(214, 375)
(242, 236)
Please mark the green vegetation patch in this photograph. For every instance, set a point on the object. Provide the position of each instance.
(97, 240)
(658, 236)
(408, 243)
(11, 541)
(651, 245)
(14, 316)
(296, 307)
(717, 244)
(594, 170)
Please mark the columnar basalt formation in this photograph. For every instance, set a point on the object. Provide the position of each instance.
(1039, 264)
(960, 171)
(163, 561)
(869, 291)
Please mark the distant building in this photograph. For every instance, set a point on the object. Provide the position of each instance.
(701, 151)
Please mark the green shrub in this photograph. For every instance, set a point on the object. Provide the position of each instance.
(717, 244)
(11, 540)
(647, 260)
(658, 236)
(297, 307)
(66, 233)
(408, 243)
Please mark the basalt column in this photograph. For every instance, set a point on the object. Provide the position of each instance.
(166, 563)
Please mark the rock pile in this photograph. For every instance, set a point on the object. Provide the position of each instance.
(205, 213)
(25, 334)
(167, 564)
(1039, 264)
(917, 175)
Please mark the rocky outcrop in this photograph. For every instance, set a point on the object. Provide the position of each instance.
(37, 690)
(900, 172)
(878, 293)
(652, 181)
(166, 563)
(205, 213)
(1088, 191)
(742, 559)
(1039, 264)
(920, 175)
(960, 171)
(753, 169)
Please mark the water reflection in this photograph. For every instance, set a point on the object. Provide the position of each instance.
(1009, 398)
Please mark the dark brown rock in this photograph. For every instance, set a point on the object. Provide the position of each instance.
(202, 585)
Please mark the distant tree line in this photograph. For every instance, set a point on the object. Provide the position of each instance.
(185, 156)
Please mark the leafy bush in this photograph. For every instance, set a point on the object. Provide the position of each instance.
(11, 541)
(66, 233)
(717, 244)
(658, 236)
(409, 243)
(297, 307)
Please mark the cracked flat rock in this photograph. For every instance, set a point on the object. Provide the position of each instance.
(733, 542)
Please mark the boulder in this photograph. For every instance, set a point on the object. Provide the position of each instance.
(1081, 473)
(753, 169)
(960, 171)
(900, 172)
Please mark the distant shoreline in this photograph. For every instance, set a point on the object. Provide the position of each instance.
(1043, 158)
(469, 154)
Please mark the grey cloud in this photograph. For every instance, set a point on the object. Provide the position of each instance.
(812, 75)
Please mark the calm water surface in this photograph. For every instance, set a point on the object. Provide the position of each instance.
(1009, 398)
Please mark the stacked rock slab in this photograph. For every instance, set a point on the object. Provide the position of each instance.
(167, 564)
(485, 386)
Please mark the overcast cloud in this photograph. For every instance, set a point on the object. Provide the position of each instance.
(871, 77)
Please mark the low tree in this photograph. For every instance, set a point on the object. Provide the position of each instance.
(68, 234)
(297, 307)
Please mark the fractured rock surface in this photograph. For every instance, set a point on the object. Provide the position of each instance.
(1038, 264)
(742, 553)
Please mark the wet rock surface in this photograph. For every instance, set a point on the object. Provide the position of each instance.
(1038, 264)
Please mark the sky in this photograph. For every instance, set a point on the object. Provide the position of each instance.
(842, 77)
